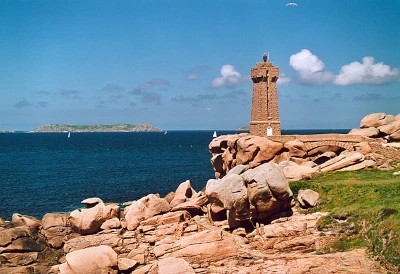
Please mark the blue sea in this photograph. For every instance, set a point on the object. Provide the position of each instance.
(48, 172)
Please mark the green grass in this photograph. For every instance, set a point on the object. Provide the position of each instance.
(363, 205)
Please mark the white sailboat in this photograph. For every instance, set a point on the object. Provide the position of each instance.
(69, 134)
(215, 134)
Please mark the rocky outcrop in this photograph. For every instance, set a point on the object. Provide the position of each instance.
(380, 125)
(376, 120)
(257, 194)
(241, 149)
(20, 246)
(298, 160)
(229, 151)
(175, 242)
(245, 221)
(55, 227)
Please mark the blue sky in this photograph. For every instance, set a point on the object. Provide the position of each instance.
(186, 64)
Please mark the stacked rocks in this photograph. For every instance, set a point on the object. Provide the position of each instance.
(379, 125)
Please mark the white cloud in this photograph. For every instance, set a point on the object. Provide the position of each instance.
(229, 77)
(309, 68)
(366, 72)
(283, 80)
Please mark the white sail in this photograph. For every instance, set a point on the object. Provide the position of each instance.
(69, 134)
(215, 134)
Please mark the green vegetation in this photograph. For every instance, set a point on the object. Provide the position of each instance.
(364, 210)
(50, 256)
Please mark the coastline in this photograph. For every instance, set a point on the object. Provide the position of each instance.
(226, 226)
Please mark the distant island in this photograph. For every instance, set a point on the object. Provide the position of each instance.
(96, 128)
(244, 128)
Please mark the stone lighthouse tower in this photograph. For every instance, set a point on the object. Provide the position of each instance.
(264, 109)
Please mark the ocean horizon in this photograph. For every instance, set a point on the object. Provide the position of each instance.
(49, 172)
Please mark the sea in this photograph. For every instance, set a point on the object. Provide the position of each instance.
(49, 172)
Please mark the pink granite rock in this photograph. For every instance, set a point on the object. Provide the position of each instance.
(173, 265)
(99, 259)
(207, 245)
(111, 224)
(55, 227)
(25, 220)
(183, 193)
(308, 198)
(225, 193)
(254, 150)
(89, 220)
(376, 120)
(143, 209)
(194, 205)
(345, 159)
(220, 144)
(294, 172)
(363, 147)
(367, 132)
(257, 193)
(395, 136)
(111, 239)
(362, 165)
(390, 128)
(125, 264)
(296, 148)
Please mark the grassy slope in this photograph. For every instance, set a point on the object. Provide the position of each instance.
(364, 206)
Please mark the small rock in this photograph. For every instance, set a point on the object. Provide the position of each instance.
(173, 265)
(385, 166)
(91, 202)
(2, 222)
(183, 193)
(125, 264)
(169, 197)
(111, 223)
(363, 147)
(308, 198)
(24, 220)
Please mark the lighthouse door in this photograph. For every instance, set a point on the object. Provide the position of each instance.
(269, 131)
